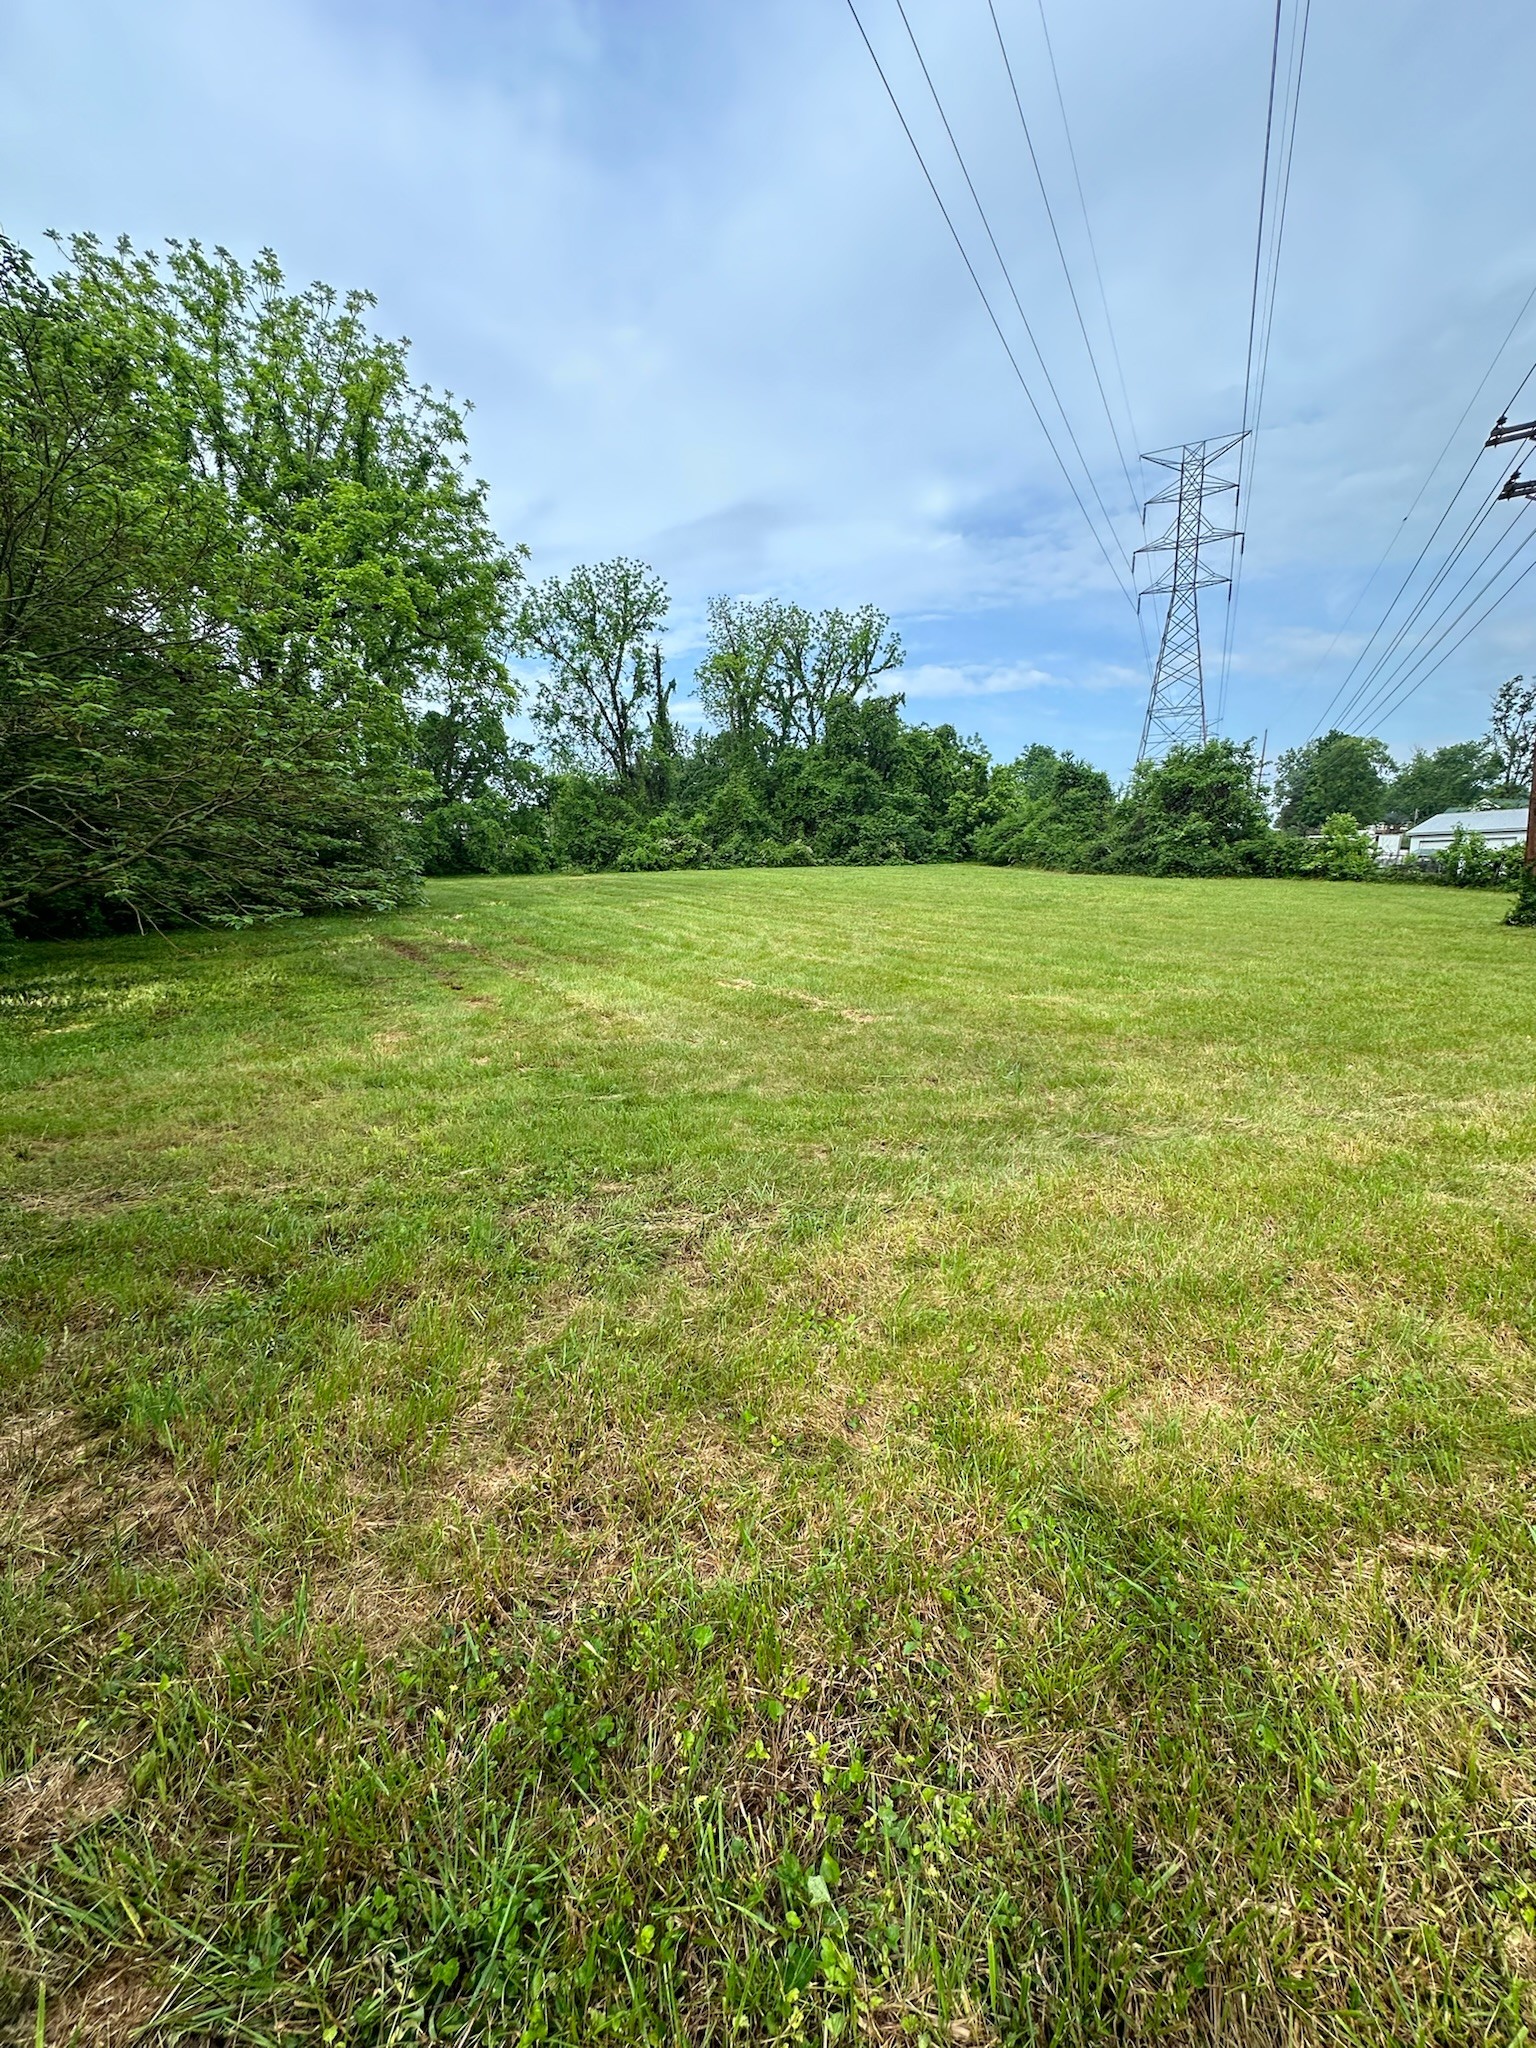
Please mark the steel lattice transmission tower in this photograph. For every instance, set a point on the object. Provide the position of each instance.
(1176, 707)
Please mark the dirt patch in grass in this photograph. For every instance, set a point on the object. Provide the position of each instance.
(378, 1606)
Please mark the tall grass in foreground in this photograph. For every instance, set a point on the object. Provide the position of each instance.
(907, 1455)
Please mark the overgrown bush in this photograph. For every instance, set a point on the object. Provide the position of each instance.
(1523, 910)
(238, 549)
(1469, 862)
(1046, 810)
(665, 841)
(1343, 852)
(1195, 812)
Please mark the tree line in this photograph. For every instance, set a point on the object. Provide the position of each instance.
(260, 642)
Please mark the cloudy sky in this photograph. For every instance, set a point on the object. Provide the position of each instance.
(680, 256)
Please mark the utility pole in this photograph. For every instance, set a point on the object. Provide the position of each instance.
(1503, 433)
(1524, 911)
(1176, 706)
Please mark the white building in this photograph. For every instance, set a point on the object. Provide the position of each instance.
(1498, 828)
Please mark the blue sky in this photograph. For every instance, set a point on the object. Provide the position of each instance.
(679, 256)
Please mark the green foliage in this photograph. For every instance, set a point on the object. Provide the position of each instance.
(1195, 812)
(872, 791)
(875, 790)
(733, 678)
(1047, 810)
(488, 815)
(664, 841)
(1339, 772)
(1345, 851)
(595, 631)
(1469, 862)
(466, 749)
(775, 675)
(1523, 909)
(589, 820)
(237, 546)
(1512, 736)
(481, 835)
(1453, 778)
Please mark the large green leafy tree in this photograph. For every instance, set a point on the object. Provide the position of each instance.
(823, 662)
(776, 674)
(1448, 779)
(1341, 772)
(237, 548)
(733, 678)
(595, 631)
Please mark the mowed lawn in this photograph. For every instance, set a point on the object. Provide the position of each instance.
(919, 1455)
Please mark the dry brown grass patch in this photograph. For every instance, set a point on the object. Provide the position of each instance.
(65, 1492)
(110, 2008)
(52, 1803)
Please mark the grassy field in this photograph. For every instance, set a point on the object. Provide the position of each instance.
(924, 1455)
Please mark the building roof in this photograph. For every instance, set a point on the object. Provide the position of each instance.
(1444, 823)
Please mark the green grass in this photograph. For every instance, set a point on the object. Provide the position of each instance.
(918, 1455)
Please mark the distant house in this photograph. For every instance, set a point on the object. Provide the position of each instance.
(1498, 828)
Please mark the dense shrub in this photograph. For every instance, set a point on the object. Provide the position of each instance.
(238, 553)
(1469, 862)
(481, 835)
(1343, 852)
(1195, 812)
(1046, 810)
(665, 841)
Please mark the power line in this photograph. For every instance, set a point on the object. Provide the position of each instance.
(1253, 321)
(1509, 589)
(1341, 709)
(1007, 273)
(1389, 664)
(1288, 154)
(1339, 695)
(1258, 245)
(1262, 327)
(1429, 479)
(1013, 360)
(1362, 692)
(1066, 268)
(1372, 702)
(1082, 201)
